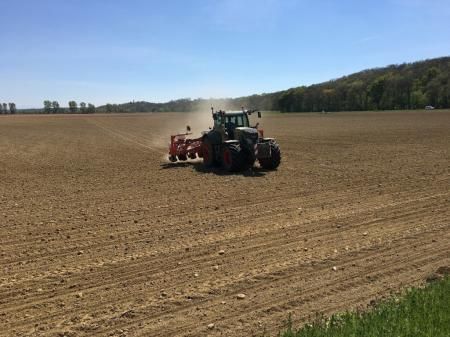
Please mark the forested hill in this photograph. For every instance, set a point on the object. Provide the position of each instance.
(405, 86)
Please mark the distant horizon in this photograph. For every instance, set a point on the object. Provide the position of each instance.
(114, 52)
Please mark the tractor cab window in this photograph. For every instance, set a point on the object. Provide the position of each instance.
(236, 121)
(231, 121)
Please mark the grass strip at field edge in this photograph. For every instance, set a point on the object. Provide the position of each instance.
(421, 312)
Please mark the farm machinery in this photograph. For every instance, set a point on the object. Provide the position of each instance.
(231, 143)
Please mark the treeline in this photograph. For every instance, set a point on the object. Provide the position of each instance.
(264, 102)
(405, 86)
(7, 108)
(53, 107)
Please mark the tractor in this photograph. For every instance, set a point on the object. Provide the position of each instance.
(231, 143)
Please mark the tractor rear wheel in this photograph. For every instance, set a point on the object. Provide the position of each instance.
(274, 160)
(233, 158)
(249, 161)
(208, 152)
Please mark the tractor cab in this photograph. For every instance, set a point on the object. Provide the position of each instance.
(230, 121)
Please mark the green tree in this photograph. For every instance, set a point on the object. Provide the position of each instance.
(83, 107)
(47, 106)
(73, 107)
(5, 108)
(90, 108)
(55, 107)
(12, 108)
(432, 92)
(418, 99)
(376, 90)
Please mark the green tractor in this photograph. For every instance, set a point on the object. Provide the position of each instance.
(235, 145)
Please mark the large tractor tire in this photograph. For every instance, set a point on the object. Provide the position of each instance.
(274, 160)
(208, 153)
(233, 159)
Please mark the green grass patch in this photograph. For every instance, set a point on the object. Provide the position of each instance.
(419, 313)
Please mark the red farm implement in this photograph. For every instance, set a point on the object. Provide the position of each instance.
(182, 148)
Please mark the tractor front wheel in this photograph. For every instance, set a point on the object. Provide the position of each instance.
(232, 158)
(274, 160)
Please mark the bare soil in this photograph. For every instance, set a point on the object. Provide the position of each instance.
(100, 236)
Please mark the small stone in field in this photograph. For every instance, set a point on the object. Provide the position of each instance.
(216, 267)
(163, 294)
(221, 252)
(334, 268)
(79, 295)
(211, 326)
(80, 252)
(241, 296)
(195, 274)
(223, 302)
(305, 249)
(365, 233)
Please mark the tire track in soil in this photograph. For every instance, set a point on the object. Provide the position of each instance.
(328, 266)
(243, 215)
(348, 281)
(150, 271)
(277, 236)
(265, 234)
(126, 137)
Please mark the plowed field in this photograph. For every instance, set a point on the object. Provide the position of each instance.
(100, 236)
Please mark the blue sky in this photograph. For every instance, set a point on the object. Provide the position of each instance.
(116, 50)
